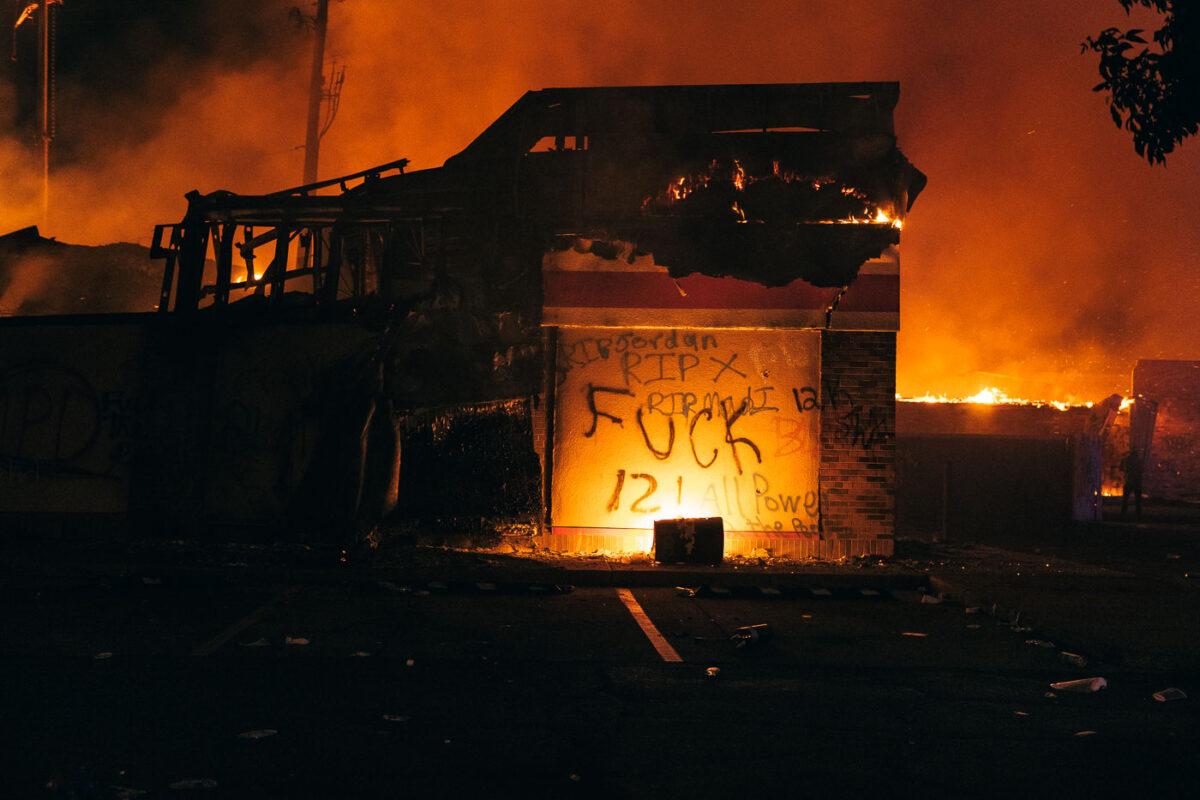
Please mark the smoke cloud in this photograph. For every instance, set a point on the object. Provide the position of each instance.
(1044, 257)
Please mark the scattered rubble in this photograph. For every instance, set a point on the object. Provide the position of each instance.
(1080, 686)
(1074, 659)
(262, 733)
(193, 783)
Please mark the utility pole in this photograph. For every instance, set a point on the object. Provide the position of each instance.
(316, 90)
(48, 40)
(47, 43)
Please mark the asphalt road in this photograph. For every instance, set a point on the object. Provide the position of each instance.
(140, 688)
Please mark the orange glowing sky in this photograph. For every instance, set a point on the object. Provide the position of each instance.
(1044, 257)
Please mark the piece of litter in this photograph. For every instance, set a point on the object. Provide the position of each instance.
(396, 717)
(102, 656)
(1074, 659)
(971, 610)
(930, 599)
(1082, 685)
(1170, 694)
(912, 633)
(1021, 713)
(257, 643)
(359, 654)
(409, 662)
(806, 616)
(295, 640)
(1173, 556)
(1039, 643)
(1050, 695)
(1086, 733)
(751, 634)
(712, 672)
(259, 734)
(194, 783)
(685, 591)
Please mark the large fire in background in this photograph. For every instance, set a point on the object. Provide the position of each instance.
(1043, 259)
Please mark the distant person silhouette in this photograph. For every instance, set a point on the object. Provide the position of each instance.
(1131, 467)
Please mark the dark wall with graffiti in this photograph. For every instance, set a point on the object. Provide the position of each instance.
(182, 427)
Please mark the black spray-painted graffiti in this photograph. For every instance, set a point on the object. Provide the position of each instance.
(764, 501)
(728, 413)
(679, 414)
(53, 423)
(865, 427)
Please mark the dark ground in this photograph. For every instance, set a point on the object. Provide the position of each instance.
(409, 670)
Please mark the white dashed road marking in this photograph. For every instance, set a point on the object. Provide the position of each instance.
(209, 647)
(639, 616)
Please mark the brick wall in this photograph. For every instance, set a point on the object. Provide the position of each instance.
(1173, 469)
(858, 443)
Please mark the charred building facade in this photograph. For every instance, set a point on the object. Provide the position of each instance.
(616, 305)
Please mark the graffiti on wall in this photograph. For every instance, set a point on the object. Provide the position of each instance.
(55, 424)
(664, 423)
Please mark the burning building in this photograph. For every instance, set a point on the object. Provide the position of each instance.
(616, 305)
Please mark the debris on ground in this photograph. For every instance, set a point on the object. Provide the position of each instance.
(1081, 685)
(751, 634)
(298, 640)
(194, 783)
(1040, 643)
(712, 672)
(262, 733)
(1169, 694)
(1074, 659)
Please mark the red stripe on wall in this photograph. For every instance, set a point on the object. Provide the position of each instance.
(657, 290)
